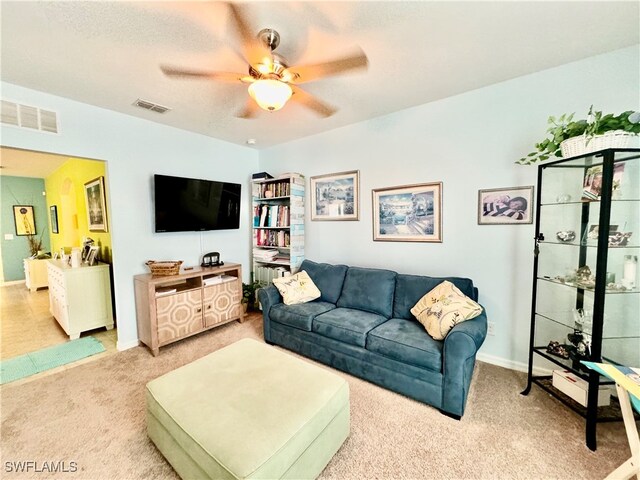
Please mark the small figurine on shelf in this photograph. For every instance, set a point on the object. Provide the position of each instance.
(554, 348)
(566, 235)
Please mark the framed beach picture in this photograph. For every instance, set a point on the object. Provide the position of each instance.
(505, 206)
(24, 220)
(336, 196)
(408, 213)
(96, 205)
(53, 210)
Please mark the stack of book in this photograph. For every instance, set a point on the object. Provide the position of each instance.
(265, 254)
(218, 279)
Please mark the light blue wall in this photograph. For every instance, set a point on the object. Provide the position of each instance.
(468, 142)
(134, 150)
(20, 191)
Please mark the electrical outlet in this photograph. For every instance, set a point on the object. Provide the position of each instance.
(491, 328)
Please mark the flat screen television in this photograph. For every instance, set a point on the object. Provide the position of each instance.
(189, 204)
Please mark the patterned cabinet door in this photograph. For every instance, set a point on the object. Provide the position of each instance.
(222, 302)
(179, 315)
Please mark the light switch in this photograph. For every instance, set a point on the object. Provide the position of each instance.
(8, 236)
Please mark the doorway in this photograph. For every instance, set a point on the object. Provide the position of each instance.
(55, 186)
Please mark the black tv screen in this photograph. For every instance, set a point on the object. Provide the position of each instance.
(189, 204)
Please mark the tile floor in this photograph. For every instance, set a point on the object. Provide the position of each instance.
(26, 326)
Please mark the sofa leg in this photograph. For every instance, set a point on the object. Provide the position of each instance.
(451, 415)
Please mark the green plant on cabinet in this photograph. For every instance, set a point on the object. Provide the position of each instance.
(565, 127)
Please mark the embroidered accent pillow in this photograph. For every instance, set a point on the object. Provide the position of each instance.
(298, 288)
(443, 308)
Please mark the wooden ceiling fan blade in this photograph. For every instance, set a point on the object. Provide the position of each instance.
(250, 110)
(223, 76)
(253, 50)
(309, 73)
(313, 103)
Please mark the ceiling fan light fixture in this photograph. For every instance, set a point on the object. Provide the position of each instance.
(270, 94)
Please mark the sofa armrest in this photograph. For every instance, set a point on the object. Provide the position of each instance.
(268, 297)
(460, 348)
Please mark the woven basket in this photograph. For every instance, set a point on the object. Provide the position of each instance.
(580, 145)
(161, 269)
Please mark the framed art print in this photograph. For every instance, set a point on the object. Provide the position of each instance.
(24, 220)
(409, 213)
(96, 205)
(53, 209)
(336, 196)
(505, 206)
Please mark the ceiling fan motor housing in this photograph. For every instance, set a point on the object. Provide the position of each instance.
(269, 37)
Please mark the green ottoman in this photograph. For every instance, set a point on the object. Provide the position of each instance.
(248, 411)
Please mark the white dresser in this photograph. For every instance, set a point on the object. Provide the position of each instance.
(35, 273)
(80, 298)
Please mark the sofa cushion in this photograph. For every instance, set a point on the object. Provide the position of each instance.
(408, 342)
(328, 278)
(298, 288)
(411, 288)
(369, 289)
(299, 316)
(443, 308)
(347, 325)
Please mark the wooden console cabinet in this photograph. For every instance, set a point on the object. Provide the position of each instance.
(171, 308)
(80, 298)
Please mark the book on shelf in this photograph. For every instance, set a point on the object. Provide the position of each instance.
(265, 274)
(271, 216)
(165, 291)
(218, 279)
(264, 255)
(272, 189)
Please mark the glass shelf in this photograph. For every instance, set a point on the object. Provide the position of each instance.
(588, 245)
(582, 287)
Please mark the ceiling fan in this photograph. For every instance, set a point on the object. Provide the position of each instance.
(272, 82)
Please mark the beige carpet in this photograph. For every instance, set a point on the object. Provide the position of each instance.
(94, 415)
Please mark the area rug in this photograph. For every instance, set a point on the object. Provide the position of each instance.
(29, 364)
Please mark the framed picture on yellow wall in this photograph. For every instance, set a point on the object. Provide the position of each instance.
(53, 209)
(96, 205)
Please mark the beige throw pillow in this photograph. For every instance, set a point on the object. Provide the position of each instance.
(298, 288)
(444, 307)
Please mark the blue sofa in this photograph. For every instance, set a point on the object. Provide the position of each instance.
(362, 325)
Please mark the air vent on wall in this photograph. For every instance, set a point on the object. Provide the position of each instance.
(154, 107)
(25, 116)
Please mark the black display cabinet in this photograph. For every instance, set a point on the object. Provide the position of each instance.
(586, 296)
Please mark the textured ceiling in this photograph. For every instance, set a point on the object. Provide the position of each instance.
(108, 53)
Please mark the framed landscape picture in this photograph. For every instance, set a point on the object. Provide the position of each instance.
(409, 213)
(24, 220)
(505, 206)
(96, 205)
(336, 196)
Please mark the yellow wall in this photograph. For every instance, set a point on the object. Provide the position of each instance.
(65, 189)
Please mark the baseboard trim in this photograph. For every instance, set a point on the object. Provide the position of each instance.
(511, 364)
(13, 282)
(121, 346)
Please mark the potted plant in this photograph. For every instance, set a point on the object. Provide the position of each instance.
(35, 244)
(568, 137)
(249, 295)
